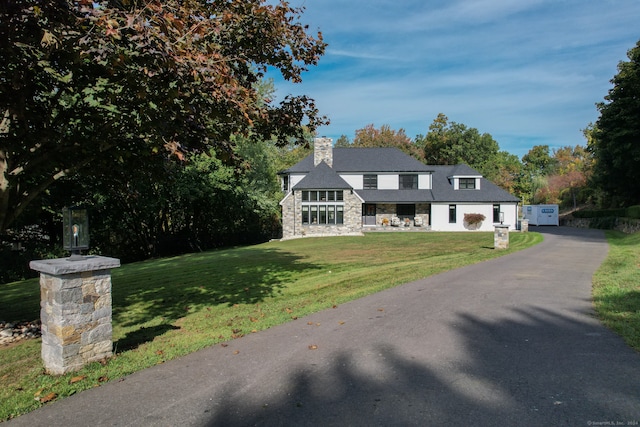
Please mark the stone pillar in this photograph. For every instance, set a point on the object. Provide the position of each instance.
(524, 225)
(501, 237)
(75, 310)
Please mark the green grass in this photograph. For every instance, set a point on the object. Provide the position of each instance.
(616, 287)
(166, 308)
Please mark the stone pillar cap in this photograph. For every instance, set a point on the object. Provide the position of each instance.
(61, 266)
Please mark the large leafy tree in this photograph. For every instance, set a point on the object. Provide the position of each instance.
(94, 84)
(450, 143)
(370, 136)
(617, 134)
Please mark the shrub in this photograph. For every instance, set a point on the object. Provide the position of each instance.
(474, 218)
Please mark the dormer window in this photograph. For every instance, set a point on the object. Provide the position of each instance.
(467, 184)
(408, 182)
(370, 182)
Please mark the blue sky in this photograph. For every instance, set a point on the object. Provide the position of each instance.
(528, 72)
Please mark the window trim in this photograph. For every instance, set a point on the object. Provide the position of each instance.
(469, 183)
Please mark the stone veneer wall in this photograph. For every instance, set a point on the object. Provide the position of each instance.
(323, 151)
(292, 226)
(76, 320)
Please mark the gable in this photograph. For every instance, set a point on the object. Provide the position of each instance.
(322, 177)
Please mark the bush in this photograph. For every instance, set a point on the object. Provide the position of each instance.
(630, 212)
(474, 218)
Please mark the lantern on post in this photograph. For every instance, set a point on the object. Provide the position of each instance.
(75, 231)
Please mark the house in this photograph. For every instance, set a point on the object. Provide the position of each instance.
(345, 191)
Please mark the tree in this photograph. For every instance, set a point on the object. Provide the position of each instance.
(617, 134)
(538, 161)
(370, 136)
(93, 84)
(450, 143)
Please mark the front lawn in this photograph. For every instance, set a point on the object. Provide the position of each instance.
(616, 287)
(166, 308)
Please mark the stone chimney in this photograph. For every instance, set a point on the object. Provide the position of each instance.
(323, 151)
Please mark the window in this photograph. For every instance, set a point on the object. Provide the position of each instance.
(285, 183)
(408, 182)
(496, 213)
(452, 214)
(406, 211)
(370, 182)
(467, 184)
(322, 207)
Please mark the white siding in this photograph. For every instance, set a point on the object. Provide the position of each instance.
(294, 179)
(424, 181)
(440, 216)
(356, 181)
(388, 182)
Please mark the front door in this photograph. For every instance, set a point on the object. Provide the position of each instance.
(369, 214)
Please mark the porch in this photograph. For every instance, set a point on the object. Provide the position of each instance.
(390, 229)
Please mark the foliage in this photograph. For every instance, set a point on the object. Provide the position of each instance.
(538, 161)
(616, 295)
(451, 143)
(370, 136)
(558, 178)
(629, 212)
(616, 135)
(166, 308)
(95, 84)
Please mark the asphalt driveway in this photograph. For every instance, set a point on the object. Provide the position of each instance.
(512, 341)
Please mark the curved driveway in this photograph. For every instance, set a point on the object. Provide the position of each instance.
(512, 341)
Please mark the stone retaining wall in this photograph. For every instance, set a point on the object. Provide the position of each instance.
(625, 225)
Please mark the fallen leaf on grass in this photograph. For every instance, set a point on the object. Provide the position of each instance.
(48, 398)
(159, 352)
(77, 379)
(103, 379)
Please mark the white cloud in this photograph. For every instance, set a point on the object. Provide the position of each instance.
(528, 72)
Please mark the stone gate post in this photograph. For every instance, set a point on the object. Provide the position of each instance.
(501, 237)
(75, 310)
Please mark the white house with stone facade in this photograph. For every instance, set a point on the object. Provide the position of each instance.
(346, 191)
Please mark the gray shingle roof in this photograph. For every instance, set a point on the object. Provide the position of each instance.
(396, 196)
(322, 177)
(365, 160)
(443, 190)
